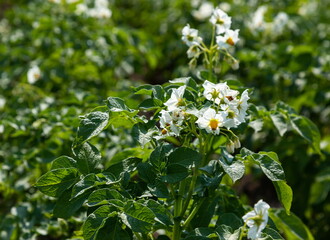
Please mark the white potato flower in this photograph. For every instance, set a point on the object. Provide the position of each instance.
(212, 121)
(190, 36)
(242, 105)
(176, 100)
(33, 74)
(230, 38)
(193, 51)
(213, 92)
(257, 219)
(221, 20)
(168, 125)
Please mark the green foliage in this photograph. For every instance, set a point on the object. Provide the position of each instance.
(109, 157)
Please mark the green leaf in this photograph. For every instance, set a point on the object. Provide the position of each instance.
(156, 91)
(185, 157)
(307, 129)
(270, 234)
(320, 187)
(175, 173)
(284, 194)
(158, 189)
(150, 104)
(96, 221)
(280, 122)
(63, 162)
(112, 230)
(146, 172)
(102, 196)
(65, 206)
(126, 165)
(270, 165)
(201, 233)
(87, 157)
(163, 215)
(138, 217)
(121, 119)
(158, 158)
(56, 181)
(91, 125)
(234, 168)
(143, 132)
(118, 105)
(257, 125)
(230, 219)
(92, 180)
(227, 233)
(292, 227)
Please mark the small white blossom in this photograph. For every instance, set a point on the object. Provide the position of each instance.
(242, 106)
(280, 22)
(211, 121)
(190, 36)
(257, 219)
(230, 38)
(221, 20)
(213, 92)
(193, 51)
(167, 123)
(176, 100)
(232, 120)
(33, 74)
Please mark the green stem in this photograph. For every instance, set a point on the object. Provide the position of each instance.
(242, 232)
(193, 213)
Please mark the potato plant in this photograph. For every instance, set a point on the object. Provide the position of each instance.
(175, 183)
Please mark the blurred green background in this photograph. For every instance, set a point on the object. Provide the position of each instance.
(85, 55)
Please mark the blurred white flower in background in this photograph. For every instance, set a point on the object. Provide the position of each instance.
(257, 22)
(33, 74)
(204, 11)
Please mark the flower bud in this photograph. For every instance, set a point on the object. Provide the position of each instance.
(230, 147)
(237, 143)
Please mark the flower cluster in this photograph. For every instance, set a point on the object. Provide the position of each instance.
(171, 119)
(100, 10)
(226, 109)
(229, 109)
(257, 219)
(225, 38)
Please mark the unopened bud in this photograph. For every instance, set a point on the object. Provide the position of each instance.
(235, 64)
(237, 143)
(230, 147)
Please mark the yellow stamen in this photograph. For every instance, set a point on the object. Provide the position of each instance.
(214, 124)
(230, 41)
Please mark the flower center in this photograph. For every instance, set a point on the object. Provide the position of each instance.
(164, 131)
(180, 102)
(214, 124)
(214, 94)
(230, 98)
(231, 114)
(190, 38)
(230, 41)
(36, 76)
(220, 21)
